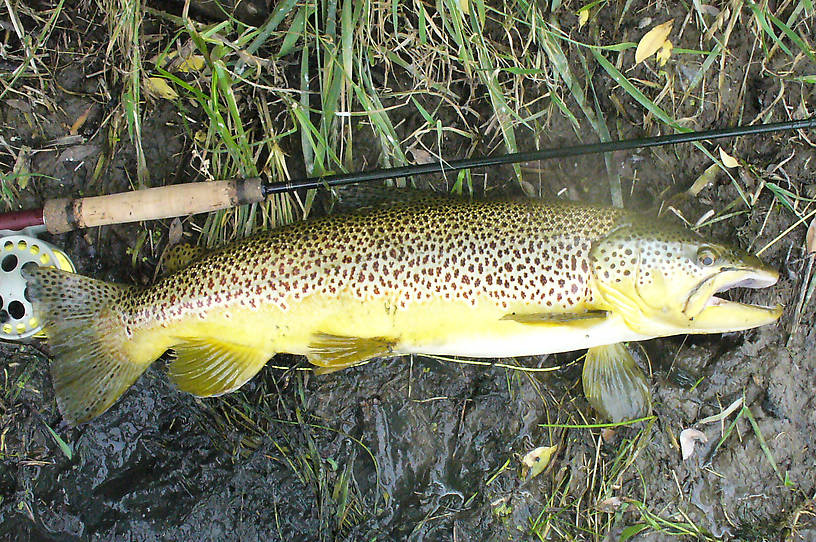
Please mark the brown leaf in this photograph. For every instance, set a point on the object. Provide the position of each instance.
(810, 238)
(80, 121)
(175, 232)
(609, 505)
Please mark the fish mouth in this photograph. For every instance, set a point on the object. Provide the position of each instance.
(709, 313)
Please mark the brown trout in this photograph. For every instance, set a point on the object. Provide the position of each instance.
(427, 276)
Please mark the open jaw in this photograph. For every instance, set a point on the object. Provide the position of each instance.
(709, 313)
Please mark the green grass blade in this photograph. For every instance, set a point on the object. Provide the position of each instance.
(762, 443)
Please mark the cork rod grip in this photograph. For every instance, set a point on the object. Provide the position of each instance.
(62, 215)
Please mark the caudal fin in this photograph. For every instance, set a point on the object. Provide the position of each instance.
(85, 325)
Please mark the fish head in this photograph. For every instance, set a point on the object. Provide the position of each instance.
(664, 280)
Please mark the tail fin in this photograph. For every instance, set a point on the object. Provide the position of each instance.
(85, 325)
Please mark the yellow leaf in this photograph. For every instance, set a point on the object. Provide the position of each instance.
(536, 461)
(708, 177)
(728, 160)
(464, 5)
(653, 40)
(664, 53)
(159, 87)
(583, 17)
(194, 63)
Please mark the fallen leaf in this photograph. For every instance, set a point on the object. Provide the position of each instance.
(717, 24)
(159, 87)
(529, 189)
(536, 461)
(664, 53)
(22, 166)
(194, 63)
(583, 17)
(810, 238)
(19, 105)
(707, 177)
(652, 41)
(609, 505)
(175, 232)
(421, 156)
(78, 153)
(688, 438)
(728, 160)
(66, 141)
(80, 121)
(724, 414)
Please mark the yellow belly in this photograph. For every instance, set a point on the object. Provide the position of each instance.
(450, 327)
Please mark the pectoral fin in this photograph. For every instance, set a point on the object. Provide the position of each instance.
(544, 318)
(331, 353)
(614, 385)
(207, 367)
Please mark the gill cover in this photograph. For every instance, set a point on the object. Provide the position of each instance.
(662, 280)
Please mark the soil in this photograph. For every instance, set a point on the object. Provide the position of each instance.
(417, 448)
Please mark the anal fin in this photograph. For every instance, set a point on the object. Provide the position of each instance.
(331, 353)
(210, 366)
(544, 318)
(614, 385)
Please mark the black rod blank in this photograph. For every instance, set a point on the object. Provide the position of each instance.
(545, 154)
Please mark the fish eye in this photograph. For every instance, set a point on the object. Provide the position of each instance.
(706, 256)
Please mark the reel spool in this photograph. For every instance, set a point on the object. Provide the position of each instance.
(17, 319)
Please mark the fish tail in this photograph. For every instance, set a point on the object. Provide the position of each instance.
(85, 322)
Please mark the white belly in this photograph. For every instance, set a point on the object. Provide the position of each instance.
(530, 340)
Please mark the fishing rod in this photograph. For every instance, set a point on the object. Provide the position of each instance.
(18, 230)
(66, 214)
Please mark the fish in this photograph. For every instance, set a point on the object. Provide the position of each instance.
(430, 275)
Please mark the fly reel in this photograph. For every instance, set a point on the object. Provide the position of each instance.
(18, 251)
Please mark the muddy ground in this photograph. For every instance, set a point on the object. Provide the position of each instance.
(418, 448)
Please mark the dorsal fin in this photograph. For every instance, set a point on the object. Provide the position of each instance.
(179, 256)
